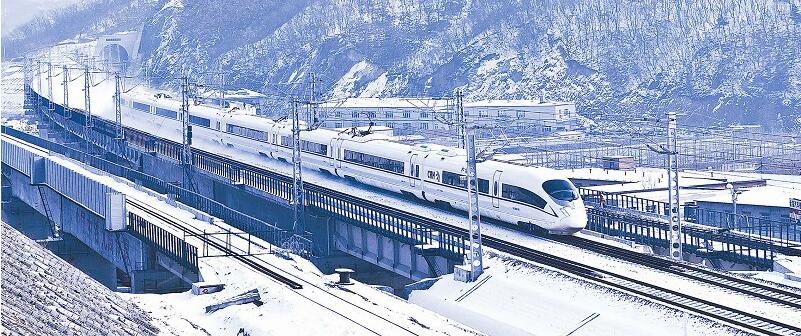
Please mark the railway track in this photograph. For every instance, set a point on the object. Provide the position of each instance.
(729, 282)
(266, 268)
(732, 316)
(689, 303)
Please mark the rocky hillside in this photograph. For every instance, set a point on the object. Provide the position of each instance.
(717, 61)
(44, 295)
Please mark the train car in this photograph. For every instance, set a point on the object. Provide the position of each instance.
(511, 193)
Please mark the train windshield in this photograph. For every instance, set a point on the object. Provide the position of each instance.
(562, 190)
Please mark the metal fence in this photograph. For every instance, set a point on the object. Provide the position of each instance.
(783, 233)
(179, 249)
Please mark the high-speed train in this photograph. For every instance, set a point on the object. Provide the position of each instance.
(507, 192)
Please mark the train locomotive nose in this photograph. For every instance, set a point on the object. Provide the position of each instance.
(573, 219)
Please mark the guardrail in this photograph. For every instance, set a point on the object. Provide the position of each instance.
(783, 233)
(177, 248)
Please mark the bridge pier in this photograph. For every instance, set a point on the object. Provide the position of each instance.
(390, 253)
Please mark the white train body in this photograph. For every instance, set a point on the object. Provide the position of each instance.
(510, 193)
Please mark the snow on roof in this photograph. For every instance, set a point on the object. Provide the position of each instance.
(772, 196)
(515, 103)
(643, 179)
(776, 193)
(370, 102)
(428, 102)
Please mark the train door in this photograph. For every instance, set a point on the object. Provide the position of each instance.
(496, 188)
(339, 152)
(414, 169)
(332, 153)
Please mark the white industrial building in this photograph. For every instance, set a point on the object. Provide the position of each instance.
(414, 115)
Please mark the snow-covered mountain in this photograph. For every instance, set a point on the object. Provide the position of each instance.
(716, 61)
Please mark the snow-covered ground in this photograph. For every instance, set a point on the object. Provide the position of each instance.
(641, 181)
(522, 299)
(289, 312)
(12, 90)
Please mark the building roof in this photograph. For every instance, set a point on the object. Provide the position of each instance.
(517, 103)
(773, 196)
(388, 103)
(428, 102)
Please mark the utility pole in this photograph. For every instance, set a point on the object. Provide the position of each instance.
(27, 82)
(222, 89)
(475, 258)
(460, 120)
(312, 118)
(186, 134)
(298, 224)
(674, 217)
(39, 76)
(118, 130)
(65, 84)
(734, 193)
(297, 243)
(38, 84)
(87, 104)
(50, 106)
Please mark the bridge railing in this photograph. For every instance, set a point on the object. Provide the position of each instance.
(624, 202)
(172, 245)
(782, 232)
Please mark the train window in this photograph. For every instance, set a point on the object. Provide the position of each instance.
(166, 113)
(495, 188)
(456, 180)
(199, 121)
(286, 141)
(522, 195)
(247, 132)
(483, 186)
(141, 107)
(313, 147)
(562, 190)
(374, 161)
(417, 171)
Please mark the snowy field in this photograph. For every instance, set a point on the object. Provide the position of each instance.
(522, 299)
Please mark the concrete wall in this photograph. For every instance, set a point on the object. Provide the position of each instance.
(390, 254)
